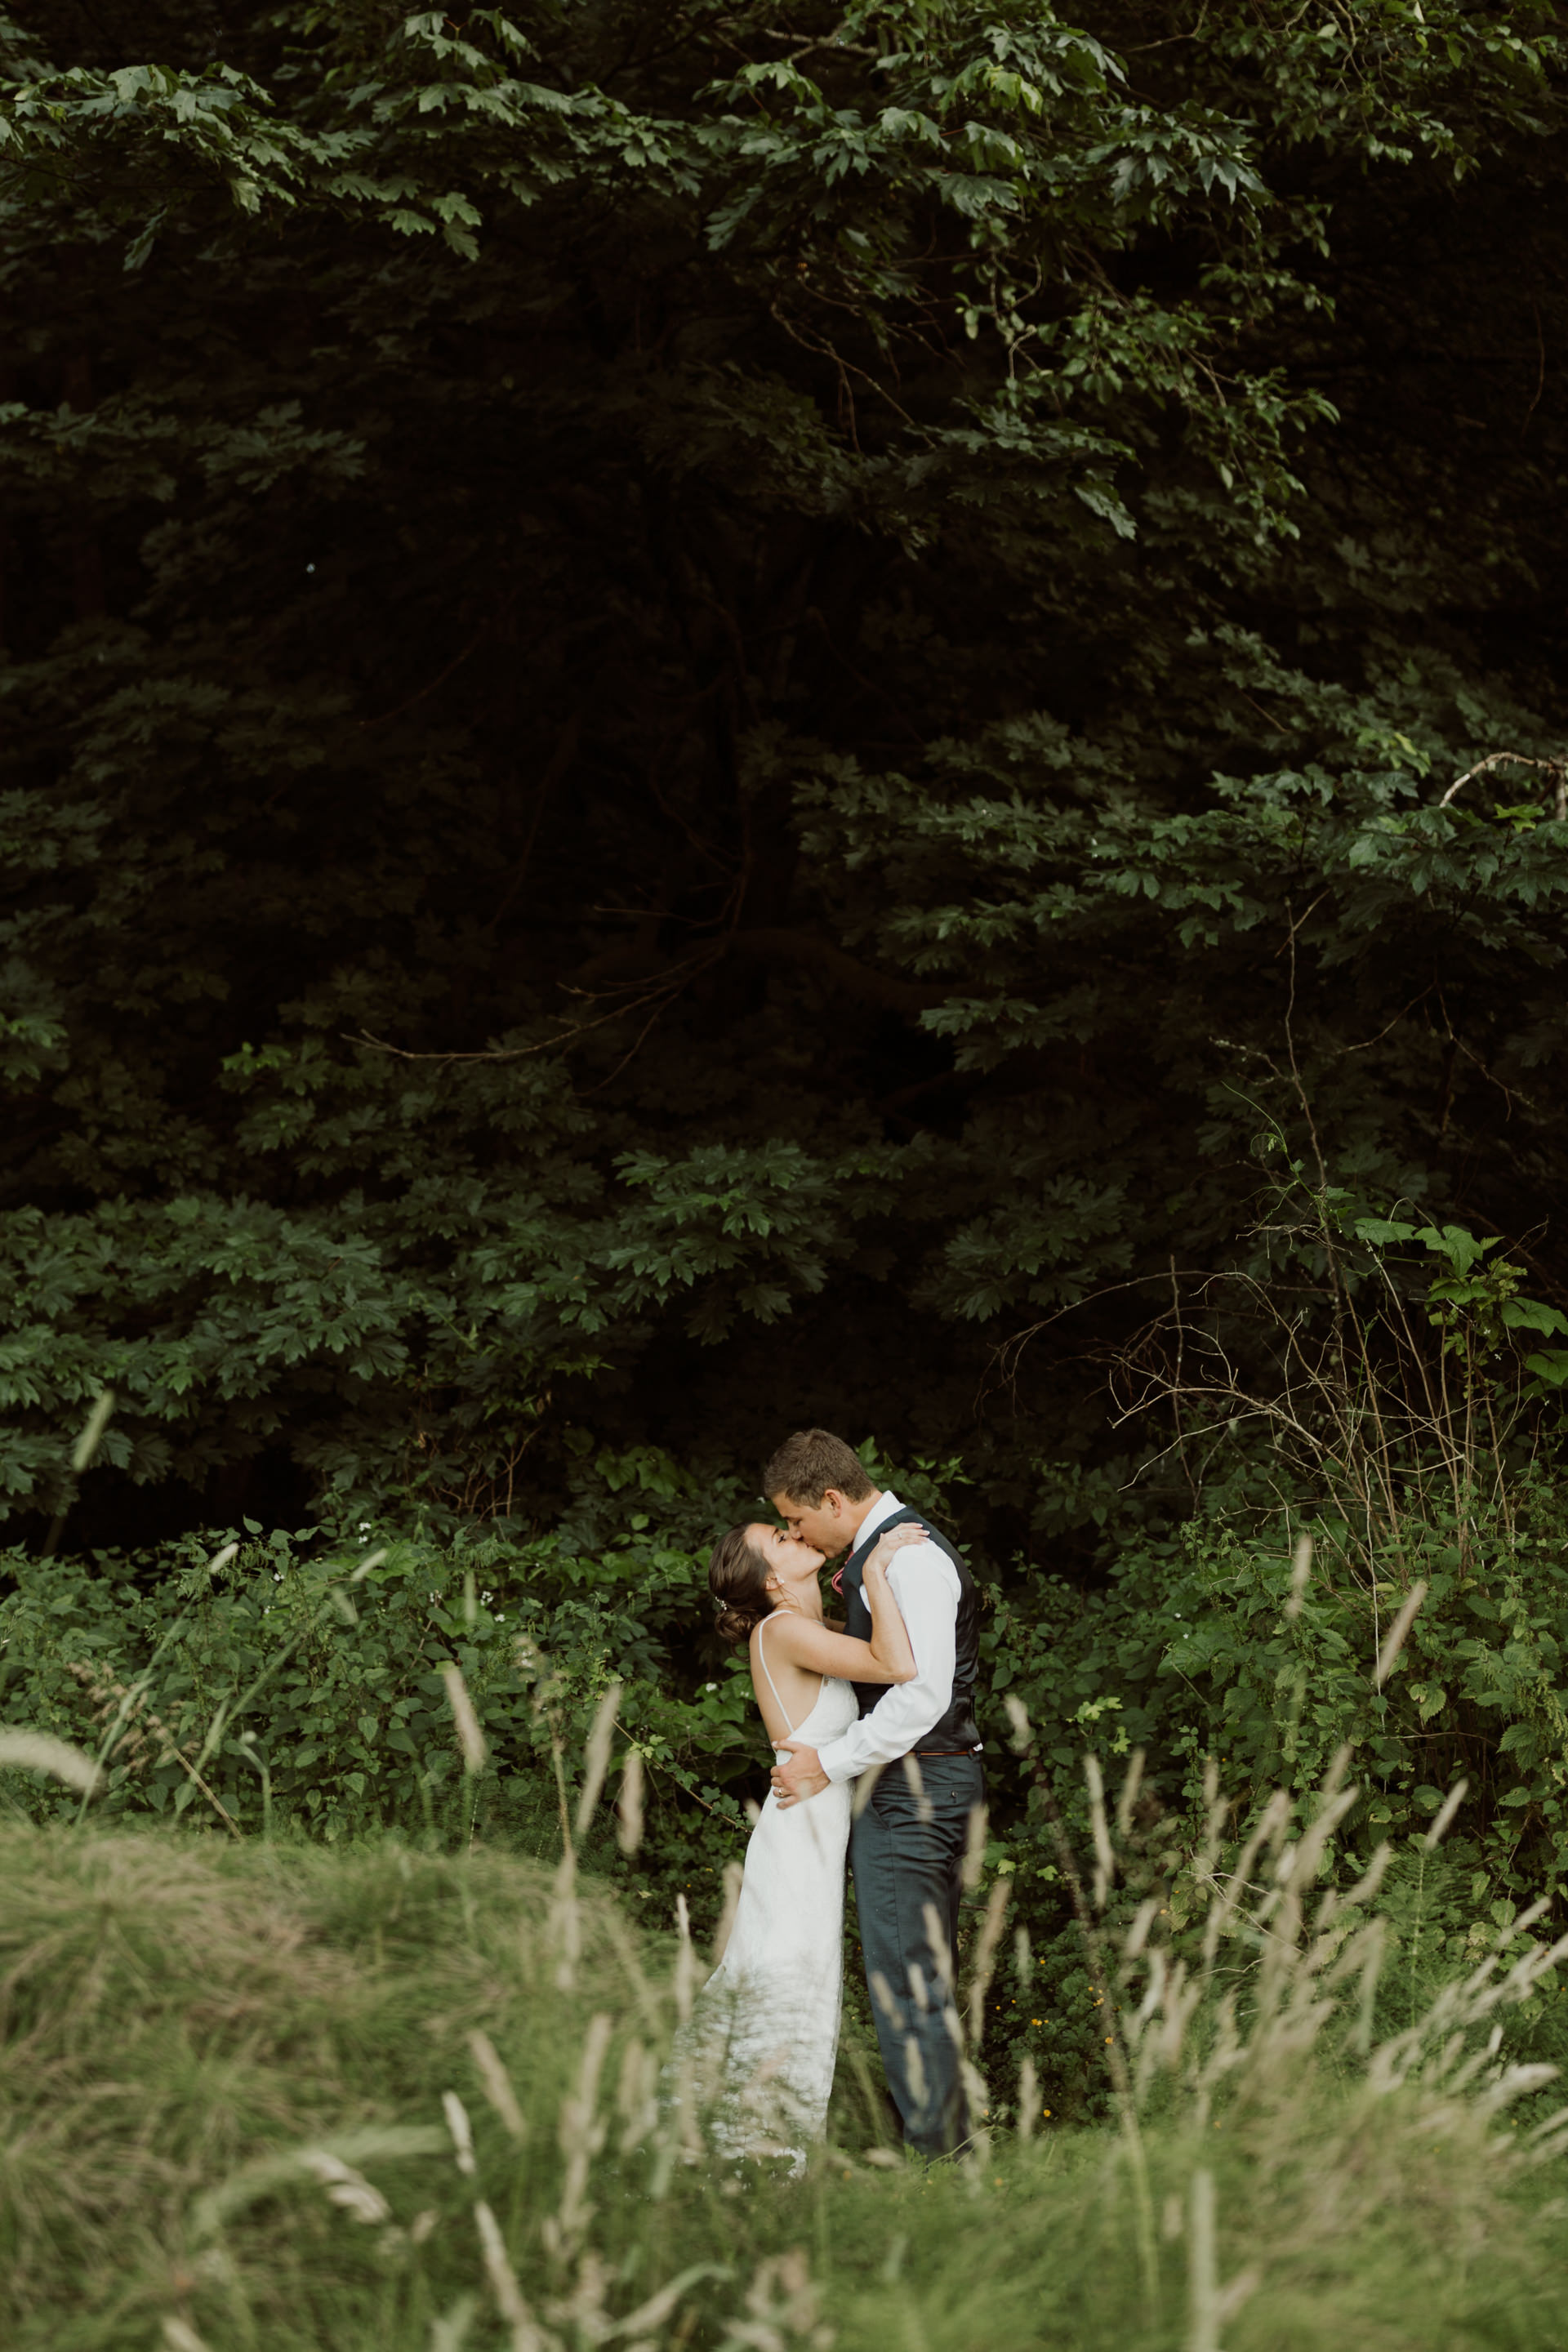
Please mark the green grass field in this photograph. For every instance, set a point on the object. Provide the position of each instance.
(239, 2085)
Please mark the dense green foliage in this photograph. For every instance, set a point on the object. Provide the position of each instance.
(324, 1674)
(705, 708)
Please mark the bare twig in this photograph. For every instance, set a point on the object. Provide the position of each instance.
(1557, 770)
(440, 679)
(1541, 371)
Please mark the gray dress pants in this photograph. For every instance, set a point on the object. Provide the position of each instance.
(907, 1854)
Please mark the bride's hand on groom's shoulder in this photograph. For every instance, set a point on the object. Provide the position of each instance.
(896, 1539)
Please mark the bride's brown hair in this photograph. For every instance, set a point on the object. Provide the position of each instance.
(738, 1580)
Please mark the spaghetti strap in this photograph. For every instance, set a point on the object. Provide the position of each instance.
(763, 1661)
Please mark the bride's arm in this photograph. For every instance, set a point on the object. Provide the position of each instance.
(887, 1657)
(889, 1643)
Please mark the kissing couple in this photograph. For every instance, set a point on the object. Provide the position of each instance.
(872, 1719)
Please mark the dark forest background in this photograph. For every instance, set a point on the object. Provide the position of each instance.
(721, 715)
(701, 713)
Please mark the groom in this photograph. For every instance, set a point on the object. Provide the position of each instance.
(906, 1844)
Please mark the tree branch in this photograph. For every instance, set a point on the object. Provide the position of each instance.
(835, 969)
(826, 962)
(1556, 770)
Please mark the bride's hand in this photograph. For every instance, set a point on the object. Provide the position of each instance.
(895, 1540)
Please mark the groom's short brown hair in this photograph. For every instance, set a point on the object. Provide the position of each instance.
(808, 1462)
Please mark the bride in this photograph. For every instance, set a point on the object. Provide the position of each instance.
(758, 2052)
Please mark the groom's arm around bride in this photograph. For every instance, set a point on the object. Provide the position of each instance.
(907, 1842)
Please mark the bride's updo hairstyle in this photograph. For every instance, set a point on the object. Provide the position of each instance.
(738, 1580)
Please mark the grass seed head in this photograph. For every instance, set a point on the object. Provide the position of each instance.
(449, 2328)
(733, 1875)
(91, 1437)
(1445, 1814)
(683, 1984)
(985, 1959)
(497, 2083)
(1028, 2098)
(975, 1848)
(470, 1738)
(179, 2335)
(629, 1808)
(38, 1751)
(596, 1756)
(509, 2296)
(1397, 1632)
(357, 2197)
(462, 2133)
(1301, 1575)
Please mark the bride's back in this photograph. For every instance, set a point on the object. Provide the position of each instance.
(792, 1687)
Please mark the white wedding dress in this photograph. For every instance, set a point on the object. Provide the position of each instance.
(756, 2056)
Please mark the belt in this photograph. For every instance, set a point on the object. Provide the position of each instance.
(947, 1751)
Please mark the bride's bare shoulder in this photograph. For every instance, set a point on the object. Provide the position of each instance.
(789, 1633)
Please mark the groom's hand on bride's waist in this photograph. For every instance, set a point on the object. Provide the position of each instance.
(797, 1775)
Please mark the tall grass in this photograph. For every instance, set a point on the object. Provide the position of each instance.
(270, 2099)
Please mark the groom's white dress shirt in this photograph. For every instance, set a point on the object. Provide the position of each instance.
(925, 1585)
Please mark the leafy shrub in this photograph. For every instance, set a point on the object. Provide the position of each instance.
(290, 1681)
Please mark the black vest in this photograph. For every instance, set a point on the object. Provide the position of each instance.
(956, 1729)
